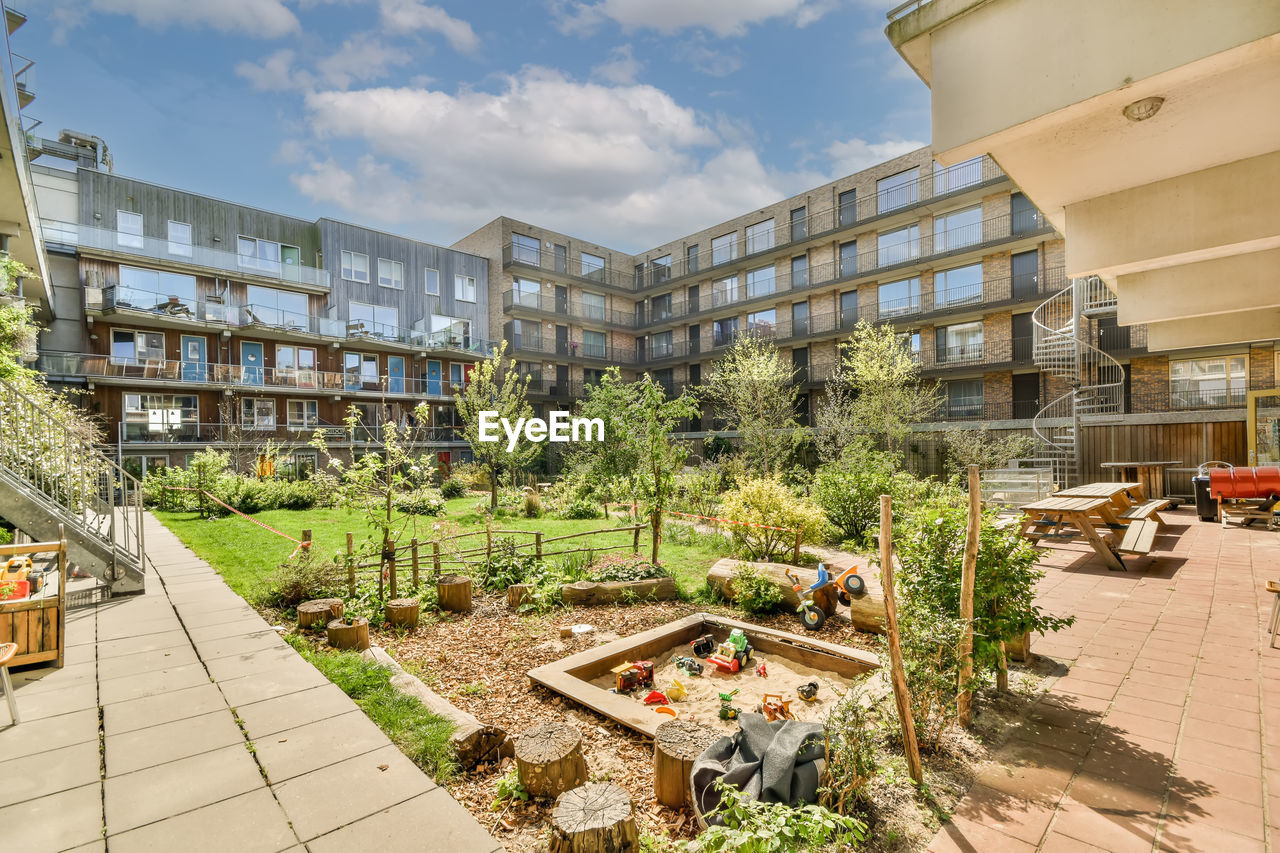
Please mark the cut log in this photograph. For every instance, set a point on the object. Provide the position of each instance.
(474, 742)
(403, 612)
(675, 747)
(516, 594)
(587, 593)
(319, 612)
(1019, 649)
(349, 633)
(454, 593)
(595, 818)
(866, 612)
(549, 759)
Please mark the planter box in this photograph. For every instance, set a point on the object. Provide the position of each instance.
(37, 628)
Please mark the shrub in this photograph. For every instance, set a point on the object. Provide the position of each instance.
(580, 510)
(626, 567)
(419, 502)
(930, 661)
(849, 488)
(532, 504)
(743, 824)
(471, 475)
(300, 579)
(851, 753)
(452, 488)
(753, 591)
(508, 566)
(759, 505)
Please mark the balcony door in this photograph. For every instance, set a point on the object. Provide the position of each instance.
(195, 367)
(433, 378)
(395, 374)
(250, 363)
(1025, 267)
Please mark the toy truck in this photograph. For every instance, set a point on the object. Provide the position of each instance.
(704, 645)
(774, 707)
(727, 711)
(631, 676)
(690, 665)
(733, 654)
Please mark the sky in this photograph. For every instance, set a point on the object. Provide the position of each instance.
(624, 122)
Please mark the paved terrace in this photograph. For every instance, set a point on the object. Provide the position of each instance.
(1165, 732)
(181, 721)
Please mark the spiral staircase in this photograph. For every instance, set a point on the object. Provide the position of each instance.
(1064, 346)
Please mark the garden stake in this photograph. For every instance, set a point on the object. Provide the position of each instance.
(968, 568)
(306, 542)
(413, 551)
(895, 648)
(435, 559)
(635, 540)
(537, 544)
(795, 558)
(351, 569)
(390, 554)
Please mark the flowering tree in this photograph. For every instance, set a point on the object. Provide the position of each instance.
(501, 389)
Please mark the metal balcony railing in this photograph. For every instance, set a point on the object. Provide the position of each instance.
(573, 310)
(298, 433)
(573, 349)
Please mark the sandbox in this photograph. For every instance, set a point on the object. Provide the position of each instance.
(790, 660)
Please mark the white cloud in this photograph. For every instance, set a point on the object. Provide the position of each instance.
(361, 59)
(412, 15)
(624, 165)
(854, 155)
(257, 18)
(708, 60)
(621, 68)
(275, 73)
(721, 17)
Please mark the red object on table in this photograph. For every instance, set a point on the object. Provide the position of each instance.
(1244, 483)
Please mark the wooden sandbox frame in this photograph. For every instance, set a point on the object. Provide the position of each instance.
(571, 676)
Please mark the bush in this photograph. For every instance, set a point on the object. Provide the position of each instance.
(625, 567)
(246, 494)
(769, 504)
(851, 753)
(508, 566)
(743, 824)
(532, 504)
(452, 488)
(419, 502)
(580, 510)
(753, 591)
(471, 475)
(300, 579)
(849, 488)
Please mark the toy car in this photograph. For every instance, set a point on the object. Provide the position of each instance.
(727, 711)
(733, 654)
(630, 676)
(808, 691)
(690, 665)
(704, 645)
(774, 707)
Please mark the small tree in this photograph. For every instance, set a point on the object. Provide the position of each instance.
(752, 387)
(495, 387)
(876, 390)
(768, 514)
(980, 447)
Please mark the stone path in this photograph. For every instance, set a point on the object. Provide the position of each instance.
(181, 721)
(1165, 732)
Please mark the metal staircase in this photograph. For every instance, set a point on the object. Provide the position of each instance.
(51, 474)
(1064, 347)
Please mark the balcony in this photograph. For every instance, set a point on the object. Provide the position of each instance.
(246, 267)
(514, 302)
(982, 354)
(335, 435)
(534, 258)
(247, 380)
(576, 350)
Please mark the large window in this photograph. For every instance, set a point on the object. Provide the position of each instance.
(129, 229)
(799, 271)
(526, 250)
(154, 290)
(273, 307)
(526, 334)
(355, 267)
(724, 249)
(180, 238)
(761, 282)
(157, 417)
(957, 229)
(391, 273)
(661, 269)
(592, 267)
(900, 297)
(947, 179)
(799, 319)
(360, 370)
(296, 366)
(691, 258)
(302, 414)
(431, 278)
(1206, 382)
(527, 293)
(799, 224)
(258, 412)
(662, 345)
(964, 398)
(660, 307)
(724, 291)
(763, 322)
(593, 307)
(724, 331)
(898, 246)
(464, 288)
(897, 191)
(381, 321)
(258, 254)
(760, 237)
(961, 342)
(130, 347)
(958, 286)
(593, 344)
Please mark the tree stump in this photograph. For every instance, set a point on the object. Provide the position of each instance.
(675, 747)
(318, 613)
(594, 818)
(403, 612)
(454, 593)
(517, 593)
(549, 759)
(349, 633)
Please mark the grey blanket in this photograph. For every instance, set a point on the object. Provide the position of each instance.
(778, 762)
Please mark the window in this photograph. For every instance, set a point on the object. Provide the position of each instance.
(302, 414)
(799, 319)
(258, 254)
(848, 201)
(526, 334)
(593, 344)
(663, 346)
(964, 398)
(593, 307)
(1202, 382)
(179, 239)
(296, 366)
(153, 290)
(661, 269)
(899, 246)
(527, 293)
(724, 249)
(958, 286)
(760, 237)
(961, 342)
(848, 309)
(799, 224)
(390, 274)
(464, 288)
(129, 347)
(526, 250)
(355, 266)
(724, 292)
(380, 321)
(897, 191)
(450, 331)
(800, 271)
(432, 281)
(724, 331)
(457, 375)
(660, 307)
(912, 342)
(258, 412)
(957, 229)
(849, 258)
(129, 229)
(951, 178)
(763, 322)
(149, 416)
(761, 282)
(592, 267)
(900, 297)
(271, 306)
(360, 370)
(691, 258)
(694, 337)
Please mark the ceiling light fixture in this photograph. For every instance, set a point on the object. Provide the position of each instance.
(1143, 109)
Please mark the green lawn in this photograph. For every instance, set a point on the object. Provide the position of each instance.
(243, 552)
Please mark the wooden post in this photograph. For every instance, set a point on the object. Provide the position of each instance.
(968, 569)
(306, 542)
(488, 548)
(349, 634)
(635, 540)
(676, 744)
(537, 544)
(402, 612)
(351, 568)
(795, 558)
(454, 593)
(1002, 672)
(595, 818)
(318, 612)
(435, 559)
(549, 759)
(413, 555)
(900, 693)
(391, 566)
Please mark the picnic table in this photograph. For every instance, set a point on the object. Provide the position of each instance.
(1151, 473)
(1074, 519)
(1128, 499)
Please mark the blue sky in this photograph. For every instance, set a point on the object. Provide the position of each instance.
(626, 122)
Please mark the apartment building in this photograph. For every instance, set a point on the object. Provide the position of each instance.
(186, 321)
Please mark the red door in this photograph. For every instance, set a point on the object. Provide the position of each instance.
(442, 459)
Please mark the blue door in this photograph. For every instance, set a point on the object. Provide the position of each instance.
(395, 374)
(194, 359)
(433, 378)
(251, 363)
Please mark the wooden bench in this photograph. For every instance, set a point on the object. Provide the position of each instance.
(1139, 537)
(1145, 510)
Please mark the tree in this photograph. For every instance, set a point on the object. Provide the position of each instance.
(980, 447)
(501, 390)
(753, 389)
(876, 390)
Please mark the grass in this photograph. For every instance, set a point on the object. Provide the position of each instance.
(244, 553)
(421, 734)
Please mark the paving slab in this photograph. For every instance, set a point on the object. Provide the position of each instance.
(54, 822)
(35, 736)
(298, 675)
(292, 752)
(296, 709)
(433, 821)
(49, 772)
(145, 796)
(160, 744)
(159, 681)
(249, 823)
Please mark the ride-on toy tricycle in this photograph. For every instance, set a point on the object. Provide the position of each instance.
(848, 584)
